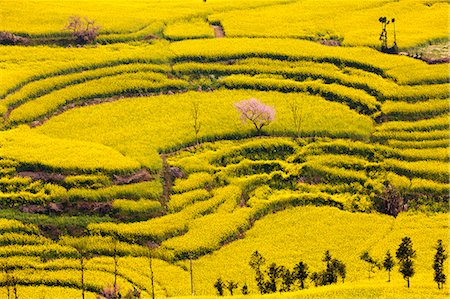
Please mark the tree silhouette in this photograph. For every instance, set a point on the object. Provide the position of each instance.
(405, 254)
(256, 262)
(388, 264)
(219, 285)
(438, 264)
(372, 263)
(301, 273)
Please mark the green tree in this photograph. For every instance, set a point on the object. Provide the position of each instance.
(287, 278)
(244, 289)
(231, 286)
(219, 285)
(330, 275)
(301, 273)
(405, 254)
(371, 262)
(339, 268)
(388, 264)
(438, 265)
(273, 273)
(256, 262)
(315, 278)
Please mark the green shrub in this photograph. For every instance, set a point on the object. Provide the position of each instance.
(87, 181)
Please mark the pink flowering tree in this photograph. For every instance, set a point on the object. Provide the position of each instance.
(256, 112)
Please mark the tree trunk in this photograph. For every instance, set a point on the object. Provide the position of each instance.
(302, 284)
(152, 278)
(192, 277)
(115, 266)
(82, 277)
(408, 281)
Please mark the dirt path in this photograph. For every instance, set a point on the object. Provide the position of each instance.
(218, 31)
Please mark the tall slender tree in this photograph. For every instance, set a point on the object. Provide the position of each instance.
(388, 264)
(438, 264)
(301, 273)
(195, 113)
(287, 279)
(219, 285)
(273, 273)
(405, 254)
(231, 286)
(256, 262)
(371, 262)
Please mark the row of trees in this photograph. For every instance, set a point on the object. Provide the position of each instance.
(279, 278)
(405, 255)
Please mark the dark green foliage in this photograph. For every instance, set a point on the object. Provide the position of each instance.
(329, 276)
(301, 273)
(334, 269)
(274, 273)
(315, 278)
(405, 253)
(244, 289)
(256, 262)
(372, 263)
(438, 264)
(231, 286)
(388, 264)
(340, 268)
(287, 279)
(219, 285)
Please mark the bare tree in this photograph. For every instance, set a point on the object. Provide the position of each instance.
(297, 115)
(195, 113)
(83, 30)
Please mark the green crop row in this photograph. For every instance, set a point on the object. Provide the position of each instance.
(49, 84)
(419, 144)
(41, 250)
(40, 62)
(95, 280)
(11, 225)
(437, 123)
(414, 154)
(194, 181)
(384, 136)
(297, 70)
(98, 245)
(124, 84)
(179, 201)
(284, 49)
(333, 174)
(38, 152)
(137, 206)
(60, 221)
(162, 228)
(209, 233)
(432, 170)
(248, 167)
(355, 99)
(92, 181)
(396, 110)
(22, 239)
(195, 28)
(257, 149)
(148, 190)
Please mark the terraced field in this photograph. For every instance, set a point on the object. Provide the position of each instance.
(99, 157)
